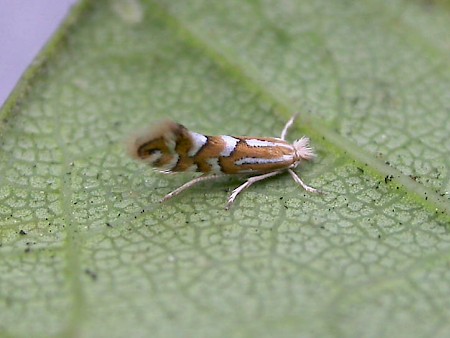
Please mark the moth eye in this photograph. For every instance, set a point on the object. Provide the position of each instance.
(145, 153)
(153, 154)
(153, 151)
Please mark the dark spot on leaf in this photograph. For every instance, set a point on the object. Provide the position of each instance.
(91, 274)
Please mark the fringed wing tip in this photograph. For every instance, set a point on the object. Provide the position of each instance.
(303, 149)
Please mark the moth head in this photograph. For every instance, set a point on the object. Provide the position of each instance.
(152, 145)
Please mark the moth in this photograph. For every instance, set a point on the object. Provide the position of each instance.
(170, 147)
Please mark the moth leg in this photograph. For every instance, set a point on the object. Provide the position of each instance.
(188, 185)
(247, 184)
(303, 184)
(288, 125)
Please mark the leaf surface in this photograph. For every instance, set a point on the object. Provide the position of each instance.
(86, 248)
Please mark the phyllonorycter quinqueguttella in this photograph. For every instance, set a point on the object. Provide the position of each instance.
(170, 147)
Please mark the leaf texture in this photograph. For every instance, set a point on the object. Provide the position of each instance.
(88, 251)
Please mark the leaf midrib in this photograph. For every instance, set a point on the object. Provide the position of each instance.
(336, 143)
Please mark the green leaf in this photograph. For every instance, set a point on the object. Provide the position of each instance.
(88, 251)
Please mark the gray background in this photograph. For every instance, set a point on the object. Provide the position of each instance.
(25, 27)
